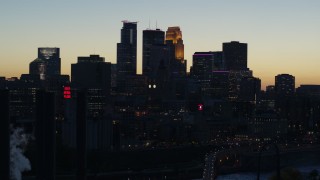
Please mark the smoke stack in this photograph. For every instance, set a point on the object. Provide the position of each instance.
(81, 136)
(4, 135)
(45, 135)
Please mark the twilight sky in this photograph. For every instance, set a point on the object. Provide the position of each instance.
(283, 36)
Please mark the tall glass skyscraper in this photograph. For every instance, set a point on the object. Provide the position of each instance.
(127, 50)
(126, 54)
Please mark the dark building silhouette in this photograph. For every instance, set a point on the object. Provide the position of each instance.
(235, 78)
(284, 85)
(45, 135)
(202, 65)
(92, 75)
(4, 135)
(309, 90)
(235, 55)
(220, 84)
(38, 67)
(202, 70)
(250, 88)
(52, 58)
(205, 63)
(81, 135)
(268, 125)
(153, 51)
(91, 72)
(22, 98)
(127, 53)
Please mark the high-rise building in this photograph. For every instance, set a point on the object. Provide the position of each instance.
(153, 49)
(174, 34)
(47, 64)
(93, 76)
(235, 78)
(91, 72)
(204, 63)
(52, 58)
(174, 42)
(126, 54)
(127, 50)
(250, 88)
(284, 85)
(235, 55)
(38, 67)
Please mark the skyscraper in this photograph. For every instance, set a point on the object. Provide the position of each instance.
(153, 50)
(235, 55)
(47, 64)
(126, 54)
(174, 34)
(284, 85)
(174, 41)
(93, 76)
(38, 67)
(91, 72)
(52, 58)
(204, 63)
(127, 50)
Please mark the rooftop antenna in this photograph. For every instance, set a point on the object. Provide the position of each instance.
(149, 23)
(156, 24)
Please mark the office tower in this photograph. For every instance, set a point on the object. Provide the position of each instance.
(126, 54)
(284, 85)
(205, 63)
(52, 58)
(93, 76)
(91, 72)
(268, 99)
(174, 34)
(202, 65)
(174, 42)
(309, 90)
(235, 78)
(38, 67)
(47, 64)
(153, 51)
(207, 69)
(235, 55)
(250, 88)
(202, 68)
(127, 50)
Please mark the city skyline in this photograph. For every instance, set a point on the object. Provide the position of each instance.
(282, 37)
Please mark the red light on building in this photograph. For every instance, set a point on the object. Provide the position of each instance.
(200, 107)
(66, 92)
